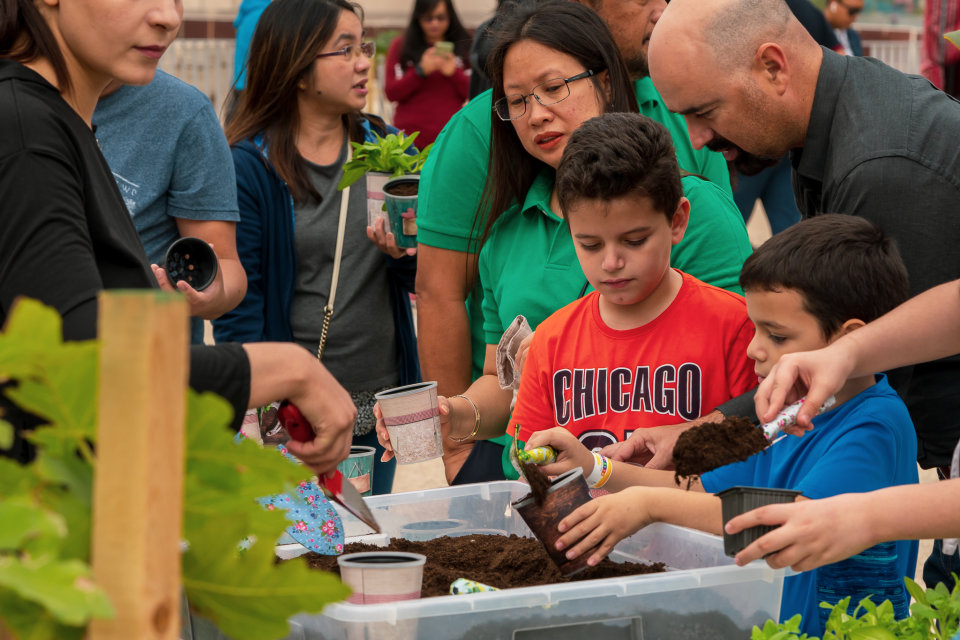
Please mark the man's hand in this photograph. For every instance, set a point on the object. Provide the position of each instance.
(653, 447)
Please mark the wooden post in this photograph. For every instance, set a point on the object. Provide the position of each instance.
(138, 481)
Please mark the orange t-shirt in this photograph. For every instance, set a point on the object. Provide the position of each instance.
(601, 383)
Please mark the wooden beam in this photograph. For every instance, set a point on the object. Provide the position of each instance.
(138, 481)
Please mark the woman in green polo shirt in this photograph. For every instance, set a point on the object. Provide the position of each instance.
(555, 66)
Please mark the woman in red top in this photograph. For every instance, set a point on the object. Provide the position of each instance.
(428, 81)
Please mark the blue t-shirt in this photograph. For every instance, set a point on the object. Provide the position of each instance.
(865, 444)
(246, 24)
(168, 154)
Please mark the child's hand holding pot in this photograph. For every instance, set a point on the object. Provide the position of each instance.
(570, 453)
(605, 521)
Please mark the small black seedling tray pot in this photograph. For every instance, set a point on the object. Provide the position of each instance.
(737, 500)
(191, 260)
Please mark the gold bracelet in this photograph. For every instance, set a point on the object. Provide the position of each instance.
(476, 413)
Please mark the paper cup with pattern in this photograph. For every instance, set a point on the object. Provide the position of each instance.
(358, 468)
(412, 417)
(382, 576)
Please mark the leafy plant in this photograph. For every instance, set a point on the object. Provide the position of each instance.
(46, 588)
(393, 153)
(934, 615)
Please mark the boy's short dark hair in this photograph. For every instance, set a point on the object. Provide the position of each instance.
(842, 266)
(620, 154)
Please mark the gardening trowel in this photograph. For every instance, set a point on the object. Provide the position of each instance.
(333, 484)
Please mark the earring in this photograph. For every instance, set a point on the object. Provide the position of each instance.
(301, 85)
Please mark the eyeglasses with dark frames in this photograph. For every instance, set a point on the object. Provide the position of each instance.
(549, 92)
(353, 51)
(853, 11)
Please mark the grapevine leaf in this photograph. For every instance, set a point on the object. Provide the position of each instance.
(28, 620)
(22, 522)
(248, 595)
(62, 588)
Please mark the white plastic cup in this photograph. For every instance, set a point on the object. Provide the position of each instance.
(382, 576)
(412, 416)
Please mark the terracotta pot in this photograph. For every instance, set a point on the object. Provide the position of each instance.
(567, 492)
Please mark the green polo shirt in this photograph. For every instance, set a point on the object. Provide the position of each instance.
(451, 183)
(529, 265)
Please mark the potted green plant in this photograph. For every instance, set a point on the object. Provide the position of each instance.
(934, 615)
(390, 156)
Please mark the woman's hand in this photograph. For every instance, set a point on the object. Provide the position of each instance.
(205, 304)
(431, 61)
(386, 241)
(603, 521)
(383, 436)
(570, 453)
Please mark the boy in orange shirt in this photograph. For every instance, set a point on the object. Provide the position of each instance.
(650, 346)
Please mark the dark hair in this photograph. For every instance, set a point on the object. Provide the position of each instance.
(25, 36)
(289, 35)
(414, 42)
(620, 154)
(842, 266)
(567, 27)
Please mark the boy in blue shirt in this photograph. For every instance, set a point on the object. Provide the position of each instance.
(805, 287)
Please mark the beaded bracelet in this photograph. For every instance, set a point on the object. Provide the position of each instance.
(476, 413)
(602, 470)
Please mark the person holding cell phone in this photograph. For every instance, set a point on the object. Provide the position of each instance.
(427, 73)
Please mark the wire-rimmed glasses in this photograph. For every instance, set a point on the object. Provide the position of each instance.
(514, 105)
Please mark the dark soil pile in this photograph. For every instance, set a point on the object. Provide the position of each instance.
(404, 188)
(710, 445)
(498, 561)
(539, 482)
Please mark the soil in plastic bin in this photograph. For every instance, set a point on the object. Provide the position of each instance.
(498, 561)
(403, 189)
(539, 482)
(710, 445)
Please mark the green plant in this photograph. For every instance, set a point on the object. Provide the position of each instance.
(934, 615)
(46, 588)
(953, 38)
(389, 154)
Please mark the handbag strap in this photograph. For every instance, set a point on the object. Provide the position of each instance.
(341, 228)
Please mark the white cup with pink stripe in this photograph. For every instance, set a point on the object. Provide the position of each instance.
(412, 417)
(382, 576)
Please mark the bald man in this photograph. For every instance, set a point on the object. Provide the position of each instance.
(864, 140)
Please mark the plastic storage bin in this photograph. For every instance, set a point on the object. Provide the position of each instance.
(703, 595)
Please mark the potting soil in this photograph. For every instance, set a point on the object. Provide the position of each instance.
(403, 189)
(499, 561)
(711, 445)
(539, 482)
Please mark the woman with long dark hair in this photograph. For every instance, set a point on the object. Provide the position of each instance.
(67, 233)
(290, 137)
(427, 70)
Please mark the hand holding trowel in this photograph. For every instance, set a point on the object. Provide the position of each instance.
(333, 484)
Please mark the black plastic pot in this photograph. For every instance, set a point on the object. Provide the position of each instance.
(737, 500)
(191, 260)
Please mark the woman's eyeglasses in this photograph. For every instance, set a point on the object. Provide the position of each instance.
(353, 51)
(514, 105)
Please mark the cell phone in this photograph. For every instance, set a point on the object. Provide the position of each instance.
(445, 48)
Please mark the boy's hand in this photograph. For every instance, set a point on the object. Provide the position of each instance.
(603, 521)
(653, 447)
(522, 351)
(570, 453)
(812, 532)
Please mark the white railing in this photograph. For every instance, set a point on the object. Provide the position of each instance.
(901, 54)
(205, 63)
